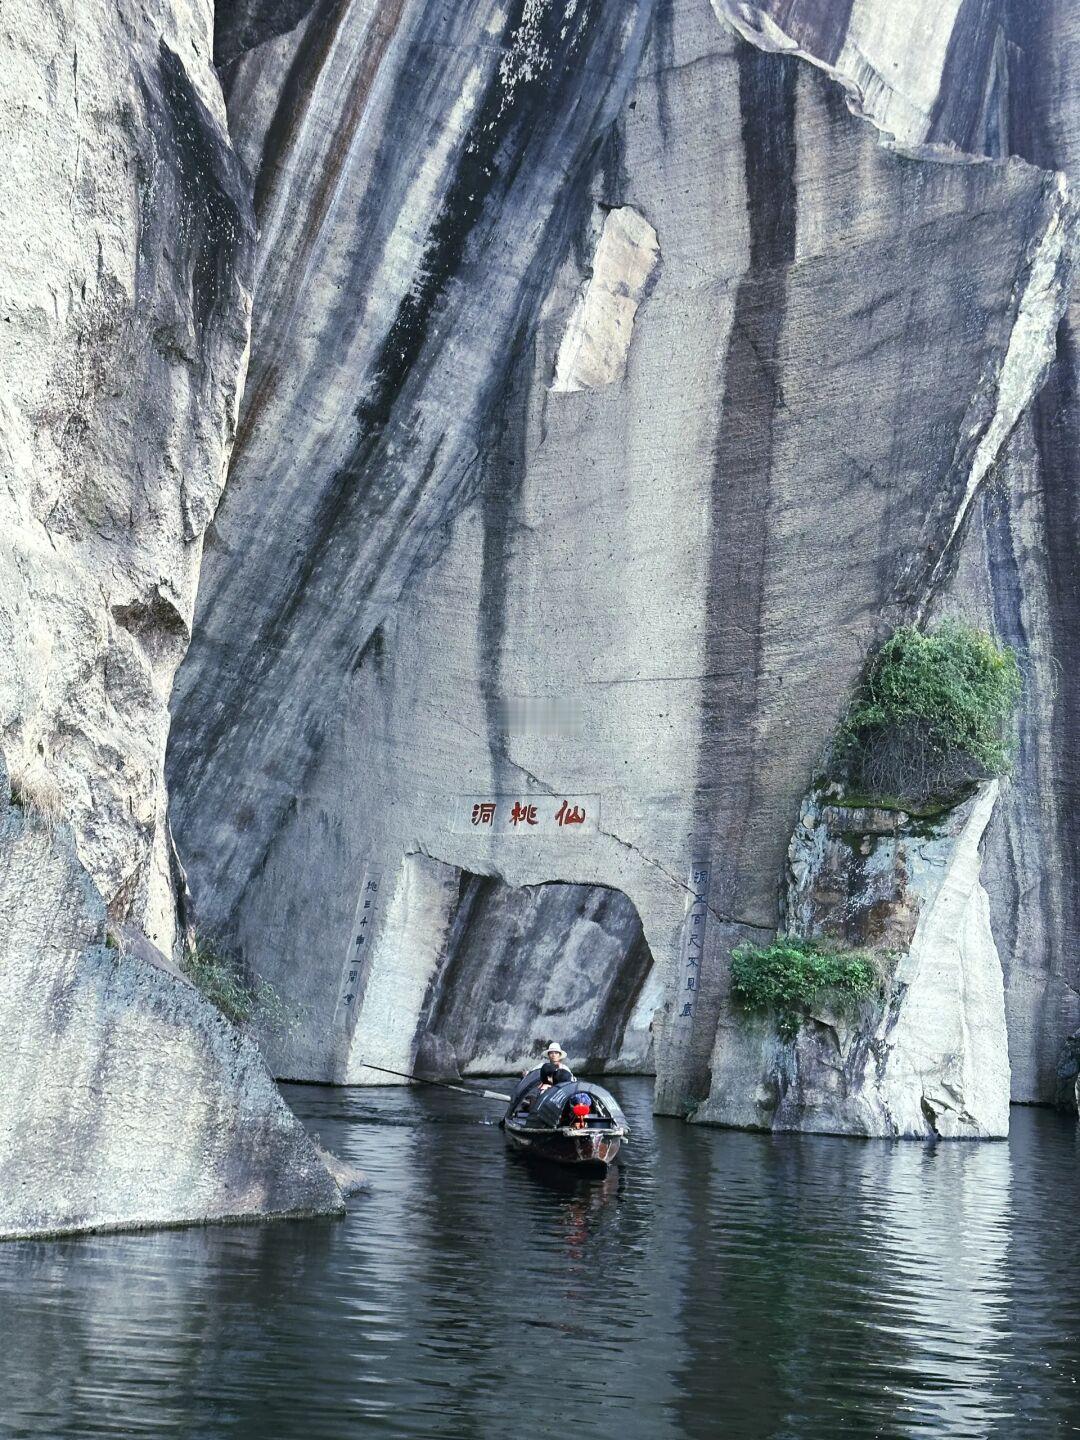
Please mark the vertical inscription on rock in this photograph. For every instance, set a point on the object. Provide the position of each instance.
(355, 969)
(693, 942)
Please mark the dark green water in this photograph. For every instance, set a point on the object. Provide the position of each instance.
(719, 1285)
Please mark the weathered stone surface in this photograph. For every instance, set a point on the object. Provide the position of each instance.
(691, 559)
(931, 1057)
(601, 325)
(126, 256)
(1067, 1094)
(127, 1099)
(989, 80)
(126, 249)
(924, 72)
(1021, 563)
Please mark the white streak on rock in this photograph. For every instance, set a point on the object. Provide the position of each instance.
(596, 344)
(1032, 344)
(947, 1065)
(407, 956)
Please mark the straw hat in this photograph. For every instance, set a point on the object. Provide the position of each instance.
(554, 1048)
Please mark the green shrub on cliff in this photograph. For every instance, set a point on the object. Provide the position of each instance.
(932, 715)
(219, 978)
(790, 976)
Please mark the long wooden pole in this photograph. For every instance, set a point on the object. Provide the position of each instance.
(442, 1084)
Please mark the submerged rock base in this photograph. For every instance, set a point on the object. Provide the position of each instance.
(929, 1058)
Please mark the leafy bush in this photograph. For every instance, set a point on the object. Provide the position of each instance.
(789, 976)
(220, 978)
(931, 716)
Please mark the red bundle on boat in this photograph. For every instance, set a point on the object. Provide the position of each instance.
(580, 1104)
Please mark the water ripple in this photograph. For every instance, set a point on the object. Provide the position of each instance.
(718, 1284)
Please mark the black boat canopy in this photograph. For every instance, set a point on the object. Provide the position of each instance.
(547, 1110)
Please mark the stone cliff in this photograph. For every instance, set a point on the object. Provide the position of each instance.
(593, 432)
(596, 384)
(993, 80)
(126, 253)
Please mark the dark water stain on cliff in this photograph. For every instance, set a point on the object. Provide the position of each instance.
(1057, 431)
(241, 25)
(199, 184)
(503, 470)
(662, 52)
(362, 490)
(295, 100)
(818, 26)
(486, 163)
(363, 528)
(741, 489)
(966, 109)
(1035, 34)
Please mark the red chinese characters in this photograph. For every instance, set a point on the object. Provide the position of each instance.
(536, 816)
(567, 816)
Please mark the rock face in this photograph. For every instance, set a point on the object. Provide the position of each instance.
(1068, 1075)
(925, 73)
(128, 1100)
(619, 373)
(988, 80)
(444, 577)
(930, 1057)
(126, 253)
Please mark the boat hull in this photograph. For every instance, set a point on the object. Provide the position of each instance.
(586, 1148)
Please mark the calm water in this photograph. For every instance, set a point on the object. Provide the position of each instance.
(718, 1285)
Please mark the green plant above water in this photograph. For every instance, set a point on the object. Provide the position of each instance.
(219, 978)
(931, 716)
(791, 976)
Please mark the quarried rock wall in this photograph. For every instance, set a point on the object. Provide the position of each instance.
(445, 577)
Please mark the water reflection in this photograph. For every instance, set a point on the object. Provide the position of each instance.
(717, 1284)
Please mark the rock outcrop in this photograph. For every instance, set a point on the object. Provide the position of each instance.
(428, 541)
(126, 251)
(126, 254)
(127, 1099)
(929, 1056)
(988, 80)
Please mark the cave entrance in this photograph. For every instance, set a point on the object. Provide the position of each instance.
(494, 971)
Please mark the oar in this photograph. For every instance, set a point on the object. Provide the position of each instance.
(442, 1084)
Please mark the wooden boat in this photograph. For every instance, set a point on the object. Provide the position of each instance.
(546, 1127)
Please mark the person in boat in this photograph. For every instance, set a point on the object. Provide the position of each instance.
(553, 1071)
